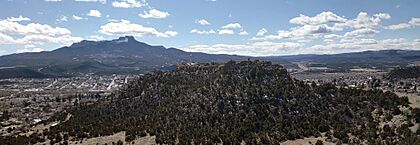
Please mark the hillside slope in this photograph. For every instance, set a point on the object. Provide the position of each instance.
(20, 73)
(254, 102)
(404, 73)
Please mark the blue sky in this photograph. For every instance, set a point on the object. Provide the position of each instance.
(244, 27)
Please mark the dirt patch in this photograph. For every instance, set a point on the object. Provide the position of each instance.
(413, 98)
(306, 141)
(101, 140)
(147, 140)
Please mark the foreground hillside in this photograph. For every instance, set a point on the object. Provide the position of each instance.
(252, 102)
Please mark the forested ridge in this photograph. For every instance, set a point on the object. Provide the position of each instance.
(252, 102)
(404, 73)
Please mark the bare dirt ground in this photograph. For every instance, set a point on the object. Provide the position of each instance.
(412, 97)
(306, 141)
(40, 127)
(148, 140)
(101, 140)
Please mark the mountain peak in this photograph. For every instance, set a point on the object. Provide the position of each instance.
(126, 39)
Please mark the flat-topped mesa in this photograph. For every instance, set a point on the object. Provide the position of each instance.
(231, 66)
(125, 39)
(194, 67)
(86, 43)
(252, 63)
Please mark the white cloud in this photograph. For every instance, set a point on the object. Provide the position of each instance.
(252, 49)
(356, 35)
(62, 19)
(261, 32)
(77, 17)
(14, 28)
(12, 32)
(327, 23)
(94, 13)
(153, 13)
(171, 33)
(203, 32)
(129, 3)
(29, 46)
(101, 1)
(398, 26)
(226, 32)
(267, 48)
(322, 18)
(363, 20)
(202, 22)
(52, 0)
(328, 40)
(18, 19)
(365, 44)
(232, 26)
(333, 36)
(415, 21)
(360, 32)
(39, 39)
(95, 38)
(5, 39)
(125, 27)
(30, 50)
(42, 39)
(382, 15)
(310, 31)
(243, 33)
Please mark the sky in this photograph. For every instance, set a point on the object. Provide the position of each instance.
(241, 27)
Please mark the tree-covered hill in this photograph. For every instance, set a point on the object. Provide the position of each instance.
(404, 73)
(20, 73)
(254, 102)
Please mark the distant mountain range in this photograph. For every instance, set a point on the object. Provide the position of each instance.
(127, 55)
(123, 55)
(382, 59)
